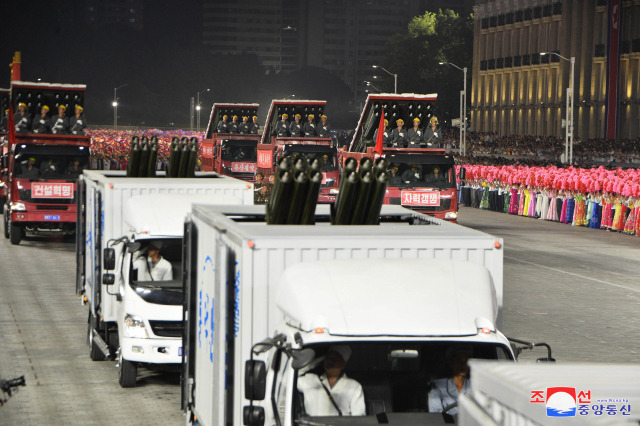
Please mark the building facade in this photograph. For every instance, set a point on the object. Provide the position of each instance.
(346, 37)
(515, 90)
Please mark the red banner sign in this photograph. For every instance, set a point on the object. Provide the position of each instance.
(207, 151)
(243, 167)
(51, 190)
(264, 159)
(417, 198)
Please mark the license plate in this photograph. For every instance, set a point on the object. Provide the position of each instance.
(180, 351)
(51, 217)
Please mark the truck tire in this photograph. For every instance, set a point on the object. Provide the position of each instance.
(127, 372)
(15, 233)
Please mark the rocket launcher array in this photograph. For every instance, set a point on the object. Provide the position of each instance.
(144, 156)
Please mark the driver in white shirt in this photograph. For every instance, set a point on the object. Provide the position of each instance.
(153, 267)
(332, 393)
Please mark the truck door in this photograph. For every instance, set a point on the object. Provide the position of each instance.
(189, 280)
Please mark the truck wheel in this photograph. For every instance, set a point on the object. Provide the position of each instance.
(127, 372)
(15, 234)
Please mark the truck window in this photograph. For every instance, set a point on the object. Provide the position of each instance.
(395, 377)
(156, 271)
(328, 156)
(50, 164)
(239, 152)
(416, 175)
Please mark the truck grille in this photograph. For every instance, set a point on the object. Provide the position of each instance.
(25, 195)
(166, 328)
(39, 207)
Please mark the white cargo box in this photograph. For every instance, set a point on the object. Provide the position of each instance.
(236, 251)
(106, 195)
(504, 393)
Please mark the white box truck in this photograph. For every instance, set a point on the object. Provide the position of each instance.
(258, 297)
(539, 394)
(134, 294)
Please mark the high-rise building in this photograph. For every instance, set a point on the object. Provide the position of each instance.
(346, 37)
(102, 12)
(515, 90)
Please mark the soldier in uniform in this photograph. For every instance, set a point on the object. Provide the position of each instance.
(386, 139)
(296, 127)
(77, 123)
(244, 126)
(42, 124)
(60, 122)
(223, 126)
(323, 128)
(233, 126)
(254, 128)
(432, 135)
(310, 127)
(399, 135)
(22, 119)
(282, 128)
(414, 134)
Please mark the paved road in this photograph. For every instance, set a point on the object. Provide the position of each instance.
(575, 288)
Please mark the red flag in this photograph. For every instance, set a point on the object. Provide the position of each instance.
(380, 137)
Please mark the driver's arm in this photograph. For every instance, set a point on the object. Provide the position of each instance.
(357, 402)
(435, 400)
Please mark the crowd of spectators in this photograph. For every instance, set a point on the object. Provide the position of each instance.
(490, 149)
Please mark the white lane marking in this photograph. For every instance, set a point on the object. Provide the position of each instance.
(575, 275)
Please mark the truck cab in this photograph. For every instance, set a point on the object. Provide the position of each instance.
(422, 177)
(275, 144)
(231, 153)
(42, 169)
(399, 319)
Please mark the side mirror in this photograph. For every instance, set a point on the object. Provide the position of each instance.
(253, 416)
(108, 279)
(109, 259)
(463, 173)
(255, 381)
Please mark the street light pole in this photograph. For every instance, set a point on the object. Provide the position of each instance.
(370, 84)
(198, 108)
(395, 78)
(115, 105)
(569, 126)
(463, 109)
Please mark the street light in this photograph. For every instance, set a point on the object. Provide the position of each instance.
(368, 83)
(463, 109)
(568, 139)
(395, 78)
(198, 106)
(115, 105)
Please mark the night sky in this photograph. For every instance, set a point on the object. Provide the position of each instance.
(163, 66)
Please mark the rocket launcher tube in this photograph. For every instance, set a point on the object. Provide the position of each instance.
(134, 160)
(313, 191)
(153, 157)
(375, 204)
(298, 196)
(278, 205)
(144, 158)
(362, 202)
(348, 196)
(174, 157)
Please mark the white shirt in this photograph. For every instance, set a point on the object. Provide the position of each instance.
(161, 271)
(347, 394)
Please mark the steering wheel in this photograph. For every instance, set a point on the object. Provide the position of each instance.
(449, 407)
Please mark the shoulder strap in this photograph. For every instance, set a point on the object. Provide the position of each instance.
(330, 396)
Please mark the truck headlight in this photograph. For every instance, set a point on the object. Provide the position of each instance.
(451, 215)
(18, 207)
(134, 327)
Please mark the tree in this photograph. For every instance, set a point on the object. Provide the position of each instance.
(431, 38)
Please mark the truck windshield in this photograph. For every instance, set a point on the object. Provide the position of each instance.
(416, 175)
(325, 154)
(239, 151)
(394, 377)
(157, 265)
(50, 162)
